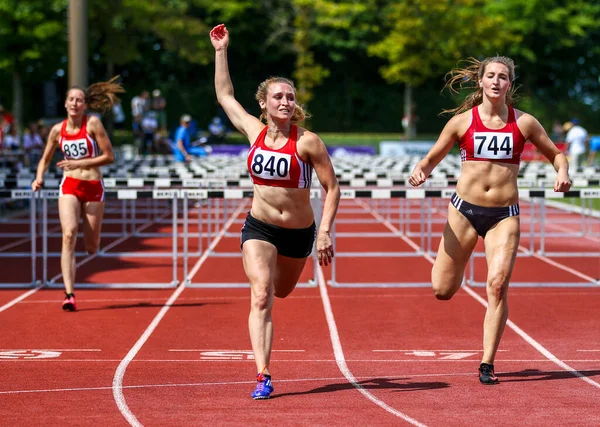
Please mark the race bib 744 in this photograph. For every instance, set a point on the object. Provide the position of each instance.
(492, 145)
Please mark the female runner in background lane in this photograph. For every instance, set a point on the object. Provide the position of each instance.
(85, 146)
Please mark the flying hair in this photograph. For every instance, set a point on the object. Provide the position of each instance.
(100, 97)
(467, 78)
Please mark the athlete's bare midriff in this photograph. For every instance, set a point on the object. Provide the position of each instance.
(489, 184)
(283, 207)
(85, 174)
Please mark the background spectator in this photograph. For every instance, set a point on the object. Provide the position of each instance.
(149, 127)
(159, 105)
(217, 131)
(575, 139)
(558, 134)
(32, 144)
(594, 148)
(183, 148)
(12, 140)
(6, 119)
(118, 115)
(139, 105)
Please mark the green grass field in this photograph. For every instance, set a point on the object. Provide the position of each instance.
(577, 202)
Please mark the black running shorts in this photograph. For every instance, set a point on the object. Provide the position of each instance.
(483, 218)
(290, 242)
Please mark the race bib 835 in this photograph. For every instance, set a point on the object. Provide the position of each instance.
(77, 149)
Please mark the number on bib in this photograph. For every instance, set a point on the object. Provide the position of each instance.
(271, 165)
(493, 145)
(76, 149)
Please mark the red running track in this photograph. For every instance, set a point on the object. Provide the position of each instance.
(415, 359)
(375, 356)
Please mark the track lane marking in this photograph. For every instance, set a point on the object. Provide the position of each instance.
(117, 386)
(340, 358)
(293, 360)
(225, 383)
(509, 322)
(83, 261)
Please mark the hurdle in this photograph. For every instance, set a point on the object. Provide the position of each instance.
(423, 198)
(398, 207)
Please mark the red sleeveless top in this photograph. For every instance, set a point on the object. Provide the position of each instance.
(278, 168)
(77, 146)
(492, 145)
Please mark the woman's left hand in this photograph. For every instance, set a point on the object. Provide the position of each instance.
(324, 248)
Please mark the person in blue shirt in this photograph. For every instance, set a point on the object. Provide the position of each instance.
(183, 149)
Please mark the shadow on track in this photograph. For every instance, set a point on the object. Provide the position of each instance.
(373, 384)
(146, 305)
(537, 375)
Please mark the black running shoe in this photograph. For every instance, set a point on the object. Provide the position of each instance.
(486, 374)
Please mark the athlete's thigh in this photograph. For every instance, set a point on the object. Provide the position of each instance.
(93, 212)
(69, 212)
(501, 246)
(456, 246)
(260, 260)
(287, 273)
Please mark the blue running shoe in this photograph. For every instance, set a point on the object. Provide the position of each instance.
(264, 387)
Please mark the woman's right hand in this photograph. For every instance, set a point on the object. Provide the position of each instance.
(37, 184)
(219, 37)
(418, 177)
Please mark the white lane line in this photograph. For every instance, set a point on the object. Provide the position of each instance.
(53, 349)
(516, 291)
(117, 386)
(20, 298)
(536, 344)
(547, 260)
(559, 265)
(428, 360)
(389, 225)
(23, 240)
(218, 238)
(522, 333)
(237, 351)
(340, 358)
(226, 383)
(113, 244)
(83, 261)
(566, 229)
(390, 350)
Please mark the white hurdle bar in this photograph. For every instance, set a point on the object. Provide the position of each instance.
(212, 198)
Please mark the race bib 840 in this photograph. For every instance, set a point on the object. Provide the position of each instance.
(271, 165)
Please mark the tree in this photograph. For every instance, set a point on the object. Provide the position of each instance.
(422, 39)
(32, 41)
(558, 56)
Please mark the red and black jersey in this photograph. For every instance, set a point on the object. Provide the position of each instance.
(278, 168)
(492, 145)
